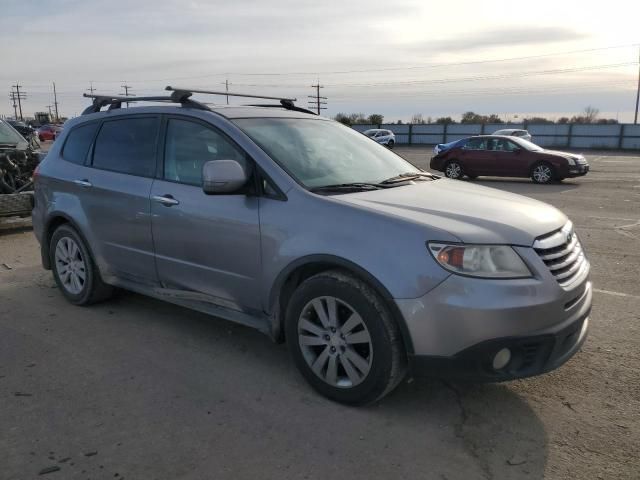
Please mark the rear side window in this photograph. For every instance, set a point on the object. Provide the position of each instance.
(127, 146)
(78, 142)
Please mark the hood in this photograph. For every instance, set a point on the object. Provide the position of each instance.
(472, 213)
(561, 154)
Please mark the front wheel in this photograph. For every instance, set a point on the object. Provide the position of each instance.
(453, 170)
(542, 173)
(343, 339)
(390, 144)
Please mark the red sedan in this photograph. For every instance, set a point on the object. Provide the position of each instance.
(48, 132)
(501, 156)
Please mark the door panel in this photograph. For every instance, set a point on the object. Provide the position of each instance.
(208, 244)
(115, 195)
(204, 243)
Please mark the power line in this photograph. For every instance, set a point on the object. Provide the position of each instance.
(388, 69)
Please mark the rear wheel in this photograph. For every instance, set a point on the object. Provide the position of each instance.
(453, 170)
(74, 270)
(343, 339)
(543, 173)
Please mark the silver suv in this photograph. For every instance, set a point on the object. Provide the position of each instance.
(293, 224)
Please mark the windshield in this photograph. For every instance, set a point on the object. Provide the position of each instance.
(527, 145)
(9, 135)
(319, 153)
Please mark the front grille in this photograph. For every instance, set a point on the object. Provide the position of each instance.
(562, 254)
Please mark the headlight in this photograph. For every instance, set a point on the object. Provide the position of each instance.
(488, 261)
(571, 160)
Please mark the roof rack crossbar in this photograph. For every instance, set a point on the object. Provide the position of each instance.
(230, 94)
(115, 101)
(283, 103)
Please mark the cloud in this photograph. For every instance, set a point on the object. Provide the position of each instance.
(502, 37)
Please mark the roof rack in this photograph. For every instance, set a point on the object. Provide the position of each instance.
(286, 103)
(115, 101)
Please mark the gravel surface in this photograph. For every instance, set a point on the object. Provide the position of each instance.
(135, 388)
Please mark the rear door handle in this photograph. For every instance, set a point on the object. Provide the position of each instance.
(83, 183)
(166, 200)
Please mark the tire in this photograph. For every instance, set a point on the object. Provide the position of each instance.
(543, 173)
(357, 351)
(390, 143)
(453, 170)
(67, 247)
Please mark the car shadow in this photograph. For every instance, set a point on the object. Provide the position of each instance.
(206, 395)
(525, 186)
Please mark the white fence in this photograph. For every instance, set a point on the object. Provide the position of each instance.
(616, 136)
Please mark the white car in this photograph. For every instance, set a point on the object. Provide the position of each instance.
(383, 137)
(513, 132)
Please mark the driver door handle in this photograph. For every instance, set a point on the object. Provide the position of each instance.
(166, 200)
(83, 183)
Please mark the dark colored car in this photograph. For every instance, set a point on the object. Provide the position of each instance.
(22, 128)
(48, 132)
(500, 156)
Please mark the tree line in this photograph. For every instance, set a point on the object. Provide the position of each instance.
(589, 115)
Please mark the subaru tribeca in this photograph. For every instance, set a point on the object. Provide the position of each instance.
(368, 267)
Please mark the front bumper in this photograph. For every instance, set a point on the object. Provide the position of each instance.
(530, 355)
(578, 170)
(457, 326)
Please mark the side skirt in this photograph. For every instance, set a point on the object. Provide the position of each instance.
(199, 302)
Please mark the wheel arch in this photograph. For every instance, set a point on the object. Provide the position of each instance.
(299, 270)
(53, 222)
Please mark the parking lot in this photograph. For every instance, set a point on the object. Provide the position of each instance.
(139, 389)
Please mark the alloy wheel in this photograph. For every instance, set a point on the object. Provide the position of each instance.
(335, 342)
(70, 265)
(542, 174)
(453, 170)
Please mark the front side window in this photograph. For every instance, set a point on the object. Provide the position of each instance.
(127, 145)
(189, 145)
(319, 153)
(77, 144)
(476, 144)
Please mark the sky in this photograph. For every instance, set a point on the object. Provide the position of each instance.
(396, 58)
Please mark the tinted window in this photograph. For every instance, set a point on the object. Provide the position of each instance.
(127, 146)
(190, 145)
(475, 144)
(78, 142)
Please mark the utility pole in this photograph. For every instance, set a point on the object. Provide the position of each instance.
(50, 114)
(317, 99)
(226, 85)
(126, 90)
(635, 120)
(90, 89)
(19, 96)
(15, 105)
(55, 102)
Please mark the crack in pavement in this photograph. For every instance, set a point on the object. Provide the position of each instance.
(468, 444)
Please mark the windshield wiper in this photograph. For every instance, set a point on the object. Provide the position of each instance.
(405, 177)
(355, 186)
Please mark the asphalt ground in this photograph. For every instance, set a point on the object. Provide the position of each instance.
(139, 389)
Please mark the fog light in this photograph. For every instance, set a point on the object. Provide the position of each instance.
(501, 359)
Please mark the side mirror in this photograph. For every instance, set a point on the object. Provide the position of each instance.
(222, 176)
